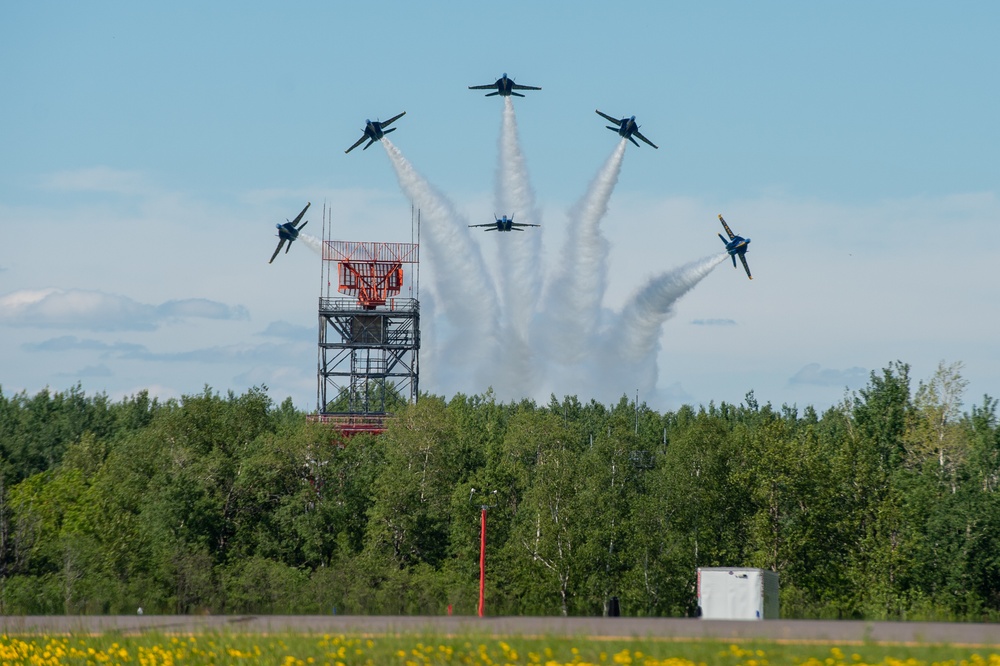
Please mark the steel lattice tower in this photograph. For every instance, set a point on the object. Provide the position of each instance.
(369, 339)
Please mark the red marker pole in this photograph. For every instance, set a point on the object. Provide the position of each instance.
(482, 562)
(482, 544)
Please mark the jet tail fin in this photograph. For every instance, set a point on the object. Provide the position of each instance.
(493, 94)
(722, 238)
(516, 94)
(391, 129)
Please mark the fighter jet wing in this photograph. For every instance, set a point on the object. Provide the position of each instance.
(295, 222)
(518, 86)
(357, 143)
(616, 121)
(747, 268)
(278, 249)
(726, 227)
(524, 224)
(488, 224)
(491, 86)
(393, 119)
(645, 139)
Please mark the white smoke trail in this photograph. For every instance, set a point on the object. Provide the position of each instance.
(635, 338)
(623, 357)
(574, 296)
(643, 315)
(519, 256)
(313, 243)
(465, 295)
(574, 345)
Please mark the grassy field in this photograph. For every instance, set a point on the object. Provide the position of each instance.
(152, 649)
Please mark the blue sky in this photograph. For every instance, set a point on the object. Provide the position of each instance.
(149, 150)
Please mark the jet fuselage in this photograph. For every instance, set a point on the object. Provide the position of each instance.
(287, 231)
(373, 130)
(627, 126)
(504, 85)
(736, 246)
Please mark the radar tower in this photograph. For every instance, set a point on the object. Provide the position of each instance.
(369, 336)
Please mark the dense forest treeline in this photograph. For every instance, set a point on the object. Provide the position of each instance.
(884, 507)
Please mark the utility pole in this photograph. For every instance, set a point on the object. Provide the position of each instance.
(637, 411)
(490, 501)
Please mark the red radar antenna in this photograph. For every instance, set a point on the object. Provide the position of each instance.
(372, 272)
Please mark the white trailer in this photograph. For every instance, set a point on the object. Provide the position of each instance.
(737, 594)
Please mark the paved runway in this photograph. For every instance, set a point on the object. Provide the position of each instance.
(844, 632)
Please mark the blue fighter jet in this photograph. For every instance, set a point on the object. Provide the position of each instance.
(626, 128)
(504, 87)
(736, 245)
(505, 224)
(374, 131)
(289, 231)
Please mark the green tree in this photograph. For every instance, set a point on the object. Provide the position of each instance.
(936, 430)
(542, 552)
(612, 472)
(408, 520)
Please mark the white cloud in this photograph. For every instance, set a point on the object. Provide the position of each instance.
(713, 322)
(201, 307)
(24, 298)
(297, 381)
(101, 311)
(238, 354)
(75, 308)
(72, 343)
(815, 374)
(286, 331)
(673, 396)
(100, 370)
(99, 179)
